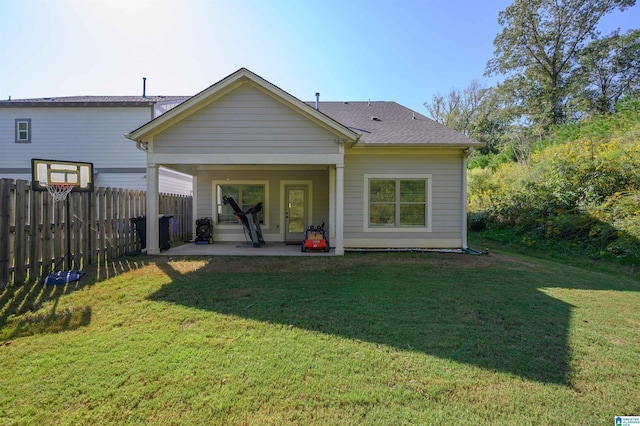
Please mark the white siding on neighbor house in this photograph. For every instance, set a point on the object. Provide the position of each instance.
(446, 178)
(172, 182)
(273, 230)
(85, 134)
(246, 121)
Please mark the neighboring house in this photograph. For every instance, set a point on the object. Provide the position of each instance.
(84, 129)
(378, 174)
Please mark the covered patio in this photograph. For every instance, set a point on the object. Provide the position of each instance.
(240, 249)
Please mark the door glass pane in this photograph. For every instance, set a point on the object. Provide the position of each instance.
(296, 210)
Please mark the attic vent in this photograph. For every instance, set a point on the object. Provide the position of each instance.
(374, 118)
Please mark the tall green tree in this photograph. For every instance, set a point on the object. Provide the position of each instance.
(538, 51)
(611, 68)
(477, 111)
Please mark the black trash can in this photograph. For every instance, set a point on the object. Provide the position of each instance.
(140, 223)
(163, 237)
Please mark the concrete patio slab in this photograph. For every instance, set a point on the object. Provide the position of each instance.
(239, 249)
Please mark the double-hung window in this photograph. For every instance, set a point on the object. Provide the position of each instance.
(23, 130)
(398, 202)
(246, 194)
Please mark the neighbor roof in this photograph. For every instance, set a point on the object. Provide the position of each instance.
(80, 101)
(389, 123)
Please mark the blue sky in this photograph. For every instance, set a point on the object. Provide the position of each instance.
(404, 51)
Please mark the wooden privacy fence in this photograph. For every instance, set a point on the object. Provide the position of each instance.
(33, 229)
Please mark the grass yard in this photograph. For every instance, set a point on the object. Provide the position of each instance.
(388, 338)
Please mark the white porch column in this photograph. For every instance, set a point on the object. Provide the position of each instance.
(332, 205)
(194, 206)
(339, 249)
(153, 244)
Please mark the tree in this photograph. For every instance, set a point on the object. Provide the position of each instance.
(611, 68)
(538, 51)
(476, 111)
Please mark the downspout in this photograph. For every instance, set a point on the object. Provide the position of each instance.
(142, 146)
(465, 155)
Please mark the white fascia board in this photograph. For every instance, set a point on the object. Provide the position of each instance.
(154, 158)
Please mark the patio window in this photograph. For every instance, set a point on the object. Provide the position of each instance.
(398, 202)
(245, 194)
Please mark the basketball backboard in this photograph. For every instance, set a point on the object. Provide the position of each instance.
(54, 172)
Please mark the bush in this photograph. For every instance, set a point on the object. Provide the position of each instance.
(581, 189)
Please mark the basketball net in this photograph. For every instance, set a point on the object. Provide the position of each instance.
(58, 191)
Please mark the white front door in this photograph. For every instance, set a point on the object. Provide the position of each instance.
(296, 215)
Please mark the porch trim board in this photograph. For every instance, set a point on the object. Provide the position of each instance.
(435, 243)
(259, 158)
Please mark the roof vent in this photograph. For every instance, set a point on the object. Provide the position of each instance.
(374, 118)
(414, 116)
(317, 101)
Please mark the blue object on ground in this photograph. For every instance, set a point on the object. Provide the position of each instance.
(63, 277)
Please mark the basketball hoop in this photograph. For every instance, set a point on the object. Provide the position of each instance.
(58, 191)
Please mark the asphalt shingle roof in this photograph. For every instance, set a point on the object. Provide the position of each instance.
(390, 123)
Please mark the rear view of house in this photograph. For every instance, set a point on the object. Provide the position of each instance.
(378, 174)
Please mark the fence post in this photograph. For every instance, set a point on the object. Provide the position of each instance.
(5, 208)
(47, 234)
(20, 247)
(35, 234)
(93, 229)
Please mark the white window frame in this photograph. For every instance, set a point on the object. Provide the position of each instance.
(265, 210)
(20, 121)
(426, 177)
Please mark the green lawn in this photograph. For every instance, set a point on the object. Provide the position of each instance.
(390, 338)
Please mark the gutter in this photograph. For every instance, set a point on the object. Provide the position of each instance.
(140, 144)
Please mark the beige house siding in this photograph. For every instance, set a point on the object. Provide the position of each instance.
(316, 177)
(445, 172)
(245, 121)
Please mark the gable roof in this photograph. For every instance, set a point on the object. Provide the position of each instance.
(389, 123)
(227, 85)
